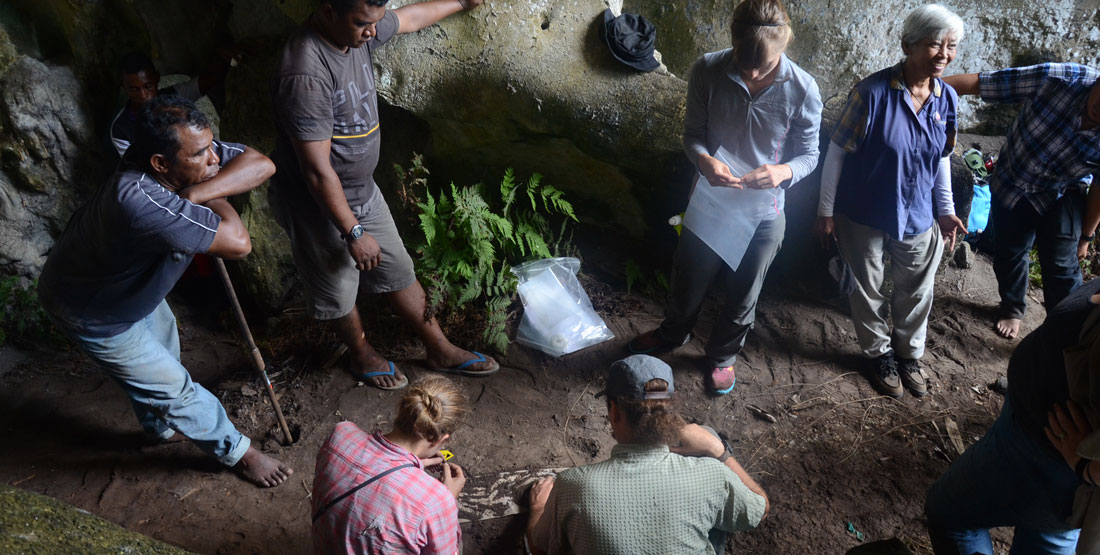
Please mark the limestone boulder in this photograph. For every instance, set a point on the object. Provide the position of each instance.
(841, 41)
(46, 158)
(530, 85)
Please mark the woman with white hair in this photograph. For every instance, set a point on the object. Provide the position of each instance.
(885, 190)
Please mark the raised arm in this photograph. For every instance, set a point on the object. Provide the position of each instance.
(414, 17)
(243, 173)
(964, 84)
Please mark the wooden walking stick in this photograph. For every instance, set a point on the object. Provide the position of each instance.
(255, 351)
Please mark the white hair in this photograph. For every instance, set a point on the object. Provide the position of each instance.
(930, 21)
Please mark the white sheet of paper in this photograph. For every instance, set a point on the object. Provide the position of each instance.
(726, 218)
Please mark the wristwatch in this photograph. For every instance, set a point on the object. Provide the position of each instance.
(727, 451)
(355, 233)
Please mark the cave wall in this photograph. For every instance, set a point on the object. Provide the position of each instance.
(522, 84)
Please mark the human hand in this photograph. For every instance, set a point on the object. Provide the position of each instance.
(767, 176)
(825, 230)
(453, 478)
(949, 225)
(1065, 429)
(1083, 249)
(365, 252)
(435, 459)
(540, 492)
(717, 173)
(470, 4)
(696, 441)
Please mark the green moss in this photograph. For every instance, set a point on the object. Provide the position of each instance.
(32, 523)
(262, 278)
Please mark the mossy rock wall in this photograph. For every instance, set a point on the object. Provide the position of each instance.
(32, 523)
(522, 84)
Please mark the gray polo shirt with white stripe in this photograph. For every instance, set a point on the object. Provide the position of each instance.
(123, 251)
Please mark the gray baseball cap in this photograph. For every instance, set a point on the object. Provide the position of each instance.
(627, 378)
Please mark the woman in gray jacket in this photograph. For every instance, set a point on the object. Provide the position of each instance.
(752, 124)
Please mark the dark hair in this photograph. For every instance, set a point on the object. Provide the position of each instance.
(344, 6)
(136, 62)
(652, 421)
(431, 409)
(757, 25)
(155, 131)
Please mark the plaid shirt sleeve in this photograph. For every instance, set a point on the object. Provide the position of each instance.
(440, 527)
(1018, 84)
(852, 126)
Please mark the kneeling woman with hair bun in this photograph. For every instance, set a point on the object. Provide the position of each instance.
(371, 493)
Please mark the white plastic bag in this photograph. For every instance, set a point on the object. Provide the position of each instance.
(558, 318)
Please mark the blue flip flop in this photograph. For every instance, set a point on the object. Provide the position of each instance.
(393, 370)
(461, 369)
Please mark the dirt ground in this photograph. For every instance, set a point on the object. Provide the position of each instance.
(837, 453)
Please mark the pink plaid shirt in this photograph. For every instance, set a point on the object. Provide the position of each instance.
(408, 511)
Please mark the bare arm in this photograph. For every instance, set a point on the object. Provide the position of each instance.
(696, 441)
(324, 185)
(539, 495)
(735, 466)
(243, 173)
(231, 241)
(964, 84)
(414, 17)
(1091, 221)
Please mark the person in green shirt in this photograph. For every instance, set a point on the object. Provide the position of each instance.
(669, 487)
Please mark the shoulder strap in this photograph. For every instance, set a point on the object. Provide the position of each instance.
(351, 491)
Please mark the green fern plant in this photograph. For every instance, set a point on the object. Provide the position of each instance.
(473, 235)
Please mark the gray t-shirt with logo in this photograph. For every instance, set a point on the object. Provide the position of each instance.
(124, 250)
(321, 93)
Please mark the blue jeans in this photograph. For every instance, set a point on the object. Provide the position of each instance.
(145, 361)
(1005, 479)
(1055, 234)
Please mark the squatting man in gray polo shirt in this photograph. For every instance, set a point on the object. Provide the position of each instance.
(647, 498)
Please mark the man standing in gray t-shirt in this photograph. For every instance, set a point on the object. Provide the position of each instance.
(342, 235)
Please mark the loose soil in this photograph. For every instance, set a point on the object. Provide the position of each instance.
(838, 453)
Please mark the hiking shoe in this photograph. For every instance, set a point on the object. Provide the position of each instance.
(911, 377)
(651, 342)
(722, 379)
(884, 375)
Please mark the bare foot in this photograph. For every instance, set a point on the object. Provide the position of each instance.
(261, 469)
(449, 358)
(368, 362)
(1008, 328)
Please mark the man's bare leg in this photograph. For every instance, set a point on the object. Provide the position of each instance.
(261, 469)
(1008, 328)
(363, 357)
(409, 303)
